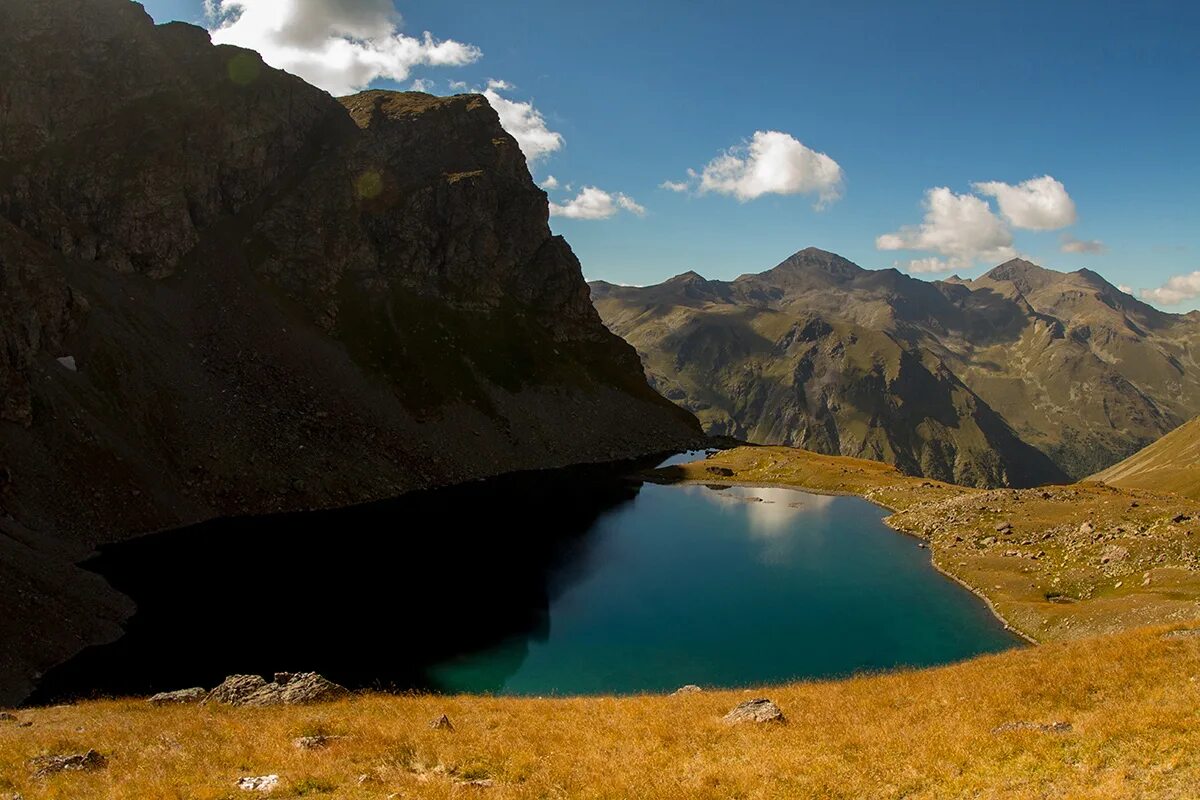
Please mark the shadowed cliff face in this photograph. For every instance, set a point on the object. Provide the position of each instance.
(1019, 377)
(225, 292)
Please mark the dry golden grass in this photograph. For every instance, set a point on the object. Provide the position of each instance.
(1049, 577)
(1130, 698)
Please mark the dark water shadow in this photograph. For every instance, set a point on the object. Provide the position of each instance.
(369, 596)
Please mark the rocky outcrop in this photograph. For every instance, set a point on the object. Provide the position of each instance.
(1020, 377)
(287, 689)
(226, 292)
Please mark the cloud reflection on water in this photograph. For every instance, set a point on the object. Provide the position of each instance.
(774, 516)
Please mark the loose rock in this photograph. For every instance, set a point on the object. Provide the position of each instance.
(442, 723)
(691, 688)
(7, 717)
(262, 783)
(759, 711)
(44, 766)
(313, 742)
(1037, 727)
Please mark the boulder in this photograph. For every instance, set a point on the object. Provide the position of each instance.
(442, 723)
(7, 717)
(180, 697)
(691, 688)
(44, 766)
(758, 711)
(723, 472)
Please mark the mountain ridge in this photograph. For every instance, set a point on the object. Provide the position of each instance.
(1069, 373)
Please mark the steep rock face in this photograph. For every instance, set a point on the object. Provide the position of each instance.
(226, 292)
(1022, 376)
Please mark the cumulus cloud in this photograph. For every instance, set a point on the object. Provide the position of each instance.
(1176, 290)
(772, 162)
(962, 228)
(339, 45)
(421, 85)
(1069, 244)
(594, 203)
(523, 121)
(1038, 204)
(1124, 288)
(550, 183)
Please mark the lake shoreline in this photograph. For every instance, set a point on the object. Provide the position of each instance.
(886, 521)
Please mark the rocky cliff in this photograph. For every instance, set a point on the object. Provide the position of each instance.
(1022, 376)
(226, 292)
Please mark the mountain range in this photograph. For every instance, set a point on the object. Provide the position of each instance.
(1022, 376)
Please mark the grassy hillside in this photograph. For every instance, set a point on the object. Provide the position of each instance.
(1172, 464)
(1129, 700)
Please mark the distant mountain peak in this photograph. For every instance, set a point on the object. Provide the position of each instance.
(1017, 269)
(691, 276)
(815, 259)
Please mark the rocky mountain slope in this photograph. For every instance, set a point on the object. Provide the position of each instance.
(1172, 464)
(226, 292)
(1022, 376)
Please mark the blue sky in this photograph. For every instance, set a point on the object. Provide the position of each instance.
(903, 98)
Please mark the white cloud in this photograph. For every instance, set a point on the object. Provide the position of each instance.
(1038, 204)
(550, 183)
(1175, 290)
(458, 86)
(421, 85)
(524, 122)
(338, 45)
(1072, 245)
(1126, 289)
(594, 203)
(772, 162)
(960, 227)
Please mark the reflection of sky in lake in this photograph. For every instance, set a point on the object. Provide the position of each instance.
(772, 515)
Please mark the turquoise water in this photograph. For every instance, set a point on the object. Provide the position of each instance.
(730, 587)
(576, 581)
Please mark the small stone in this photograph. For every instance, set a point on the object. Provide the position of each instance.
(478, 783)
(442, 723)
(1114, 554)
(691, 688)
(180, 697)
(68, 363)
(1087, 529)
(759, 711)
(1036, 727)
(313, 742)
(44, 766)
(262, 783)
(7, 717)
(1003, 527)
